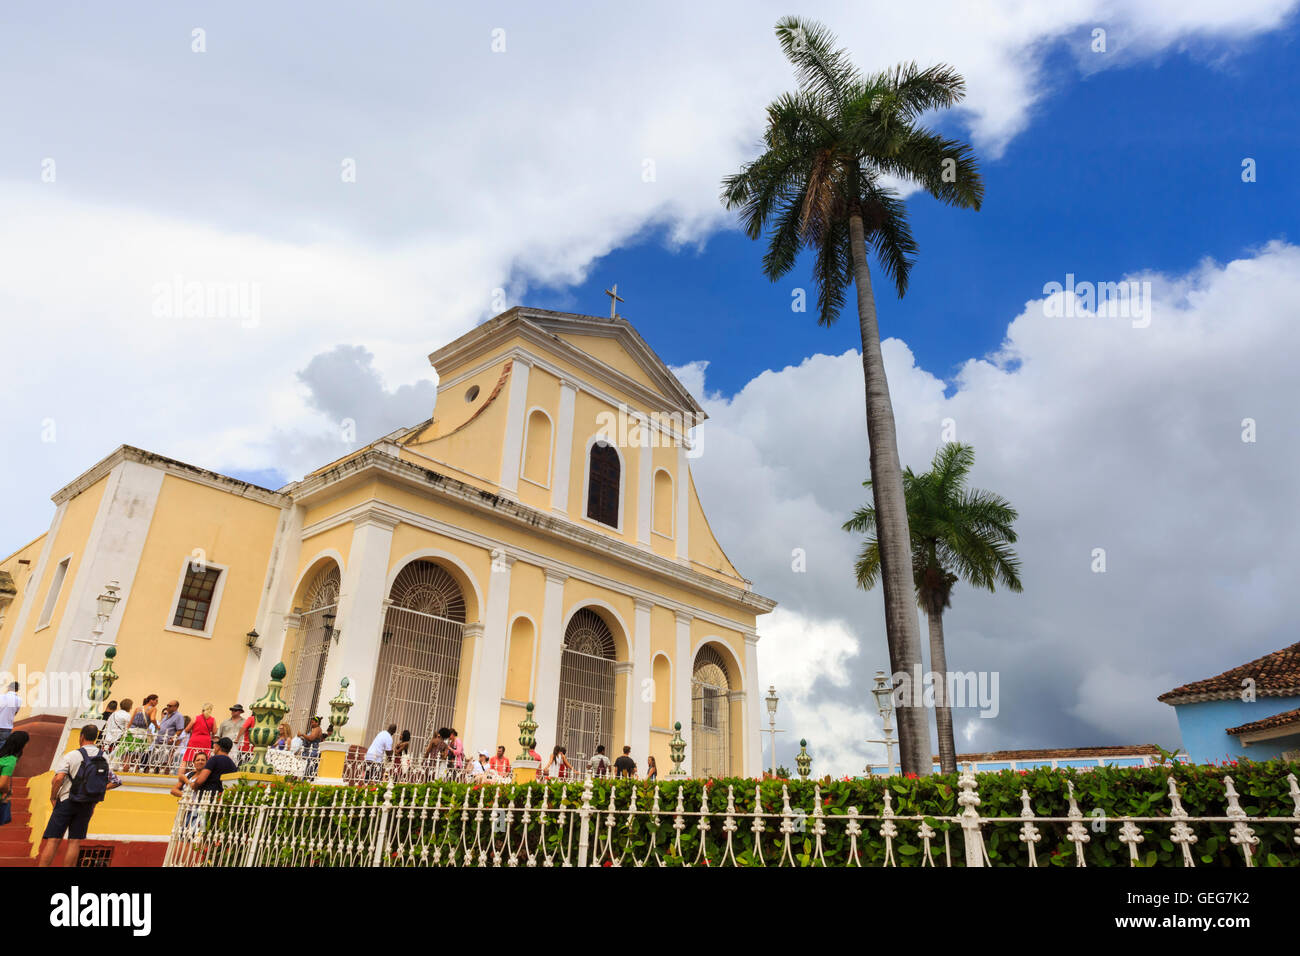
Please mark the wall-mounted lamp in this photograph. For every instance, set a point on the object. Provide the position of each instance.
(251, 640)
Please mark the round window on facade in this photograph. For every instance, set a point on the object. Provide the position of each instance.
(472, 393)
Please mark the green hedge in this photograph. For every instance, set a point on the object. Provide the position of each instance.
(1262, 788)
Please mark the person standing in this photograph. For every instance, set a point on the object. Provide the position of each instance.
(200, 730)
(651, 771)
(378, 752)
(456, 746)
(599, 764)
(80, 782)
(169, 731)
(558, 767)
(230, 726)
(10, 704)
(311, 746)
(115, 725)
(10, 753)
(500, 764)
(625, 766)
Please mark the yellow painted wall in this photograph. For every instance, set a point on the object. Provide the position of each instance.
(234, 532)
(24, 578)
(73, 534)
(613, 354)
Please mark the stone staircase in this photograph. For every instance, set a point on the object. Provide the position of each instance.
(16, 837)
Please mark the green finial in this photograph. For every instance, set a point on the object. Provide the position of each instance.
(340, 704)
(803, 760)
(527, 733)
(102, 679)
(677, 752)
(268, 711)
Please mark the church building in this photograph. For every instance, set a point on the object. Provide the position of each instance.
(538, 538)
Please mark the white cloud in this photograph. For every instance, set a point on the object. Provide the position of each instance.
(479, 171)
(1102, 435)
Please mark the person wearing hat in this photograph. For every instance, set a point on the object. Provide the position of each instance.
(230, 728)
(478, 767)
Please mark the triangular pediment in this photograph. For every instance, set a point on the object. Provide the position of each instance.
(610, 351)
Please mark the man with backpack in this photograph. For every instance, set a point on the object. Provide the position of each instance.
(80, 782)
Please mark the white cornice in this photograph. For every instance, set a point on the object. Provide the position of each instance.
(179, 469)
(532, 519)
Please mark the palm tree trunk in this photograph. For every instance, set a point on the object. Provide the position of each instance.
(901, 627)
(942, 706)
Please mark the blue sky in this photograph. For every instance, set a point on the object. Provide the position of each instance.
(521, 170)
(1120, 171)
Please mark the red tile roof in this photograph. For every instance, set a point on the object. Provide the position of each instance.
(1268, 723)
(1275, 675)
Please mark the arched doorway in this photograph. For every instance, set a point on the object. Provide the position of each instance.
(419, 657)
(710, 715)
(586, 711)
(310, 654)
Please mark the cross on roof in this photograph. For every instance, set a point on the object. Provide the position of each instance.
(614, 300)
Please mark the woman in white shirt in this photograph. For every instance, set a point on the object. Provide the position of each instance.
(116, 725)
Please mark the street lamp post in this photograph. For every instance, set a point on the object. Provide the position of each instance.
(884, 694)
(772, 701)
(101, 679)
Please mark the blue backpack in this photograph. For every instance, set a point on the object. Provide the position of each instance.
(91, 782)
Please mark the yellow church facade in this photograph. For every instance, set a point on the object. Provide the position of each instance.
(538, 538)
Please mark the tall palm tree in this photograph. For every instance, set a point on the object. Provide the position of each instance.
(832, 149)
(958, 534)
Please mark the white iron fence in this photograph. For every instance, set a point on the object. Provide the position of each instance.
(640, 825)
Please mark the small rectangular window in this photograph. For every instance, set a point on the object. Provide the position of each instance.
(52, 596)
(196, 598)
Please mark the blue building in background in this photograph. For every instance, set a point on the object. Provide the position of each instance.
(1251, 711)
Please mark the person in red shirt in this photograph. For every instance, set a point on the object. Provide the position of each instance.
(499, 763)
(245, 744)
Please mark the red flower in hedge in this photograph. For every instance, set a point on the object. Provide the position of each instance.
(910, 776)
(607, 863)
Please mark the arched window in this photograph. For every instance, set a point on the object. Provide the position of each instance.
(419, 654)
(586, 710)
(603, 479)
(537, 448)
(663, 503)
(710, 715)
(307, 665)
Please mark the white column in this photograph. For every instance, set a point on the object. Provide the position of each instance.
(113, 551)
(644, 486)
(642, 681)
(274, 606)
(753, 738)
(483, 712)
(682, 668)
(513, 447)
(563, 448)
(550, 650)
(682, 528)
(360, 619)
